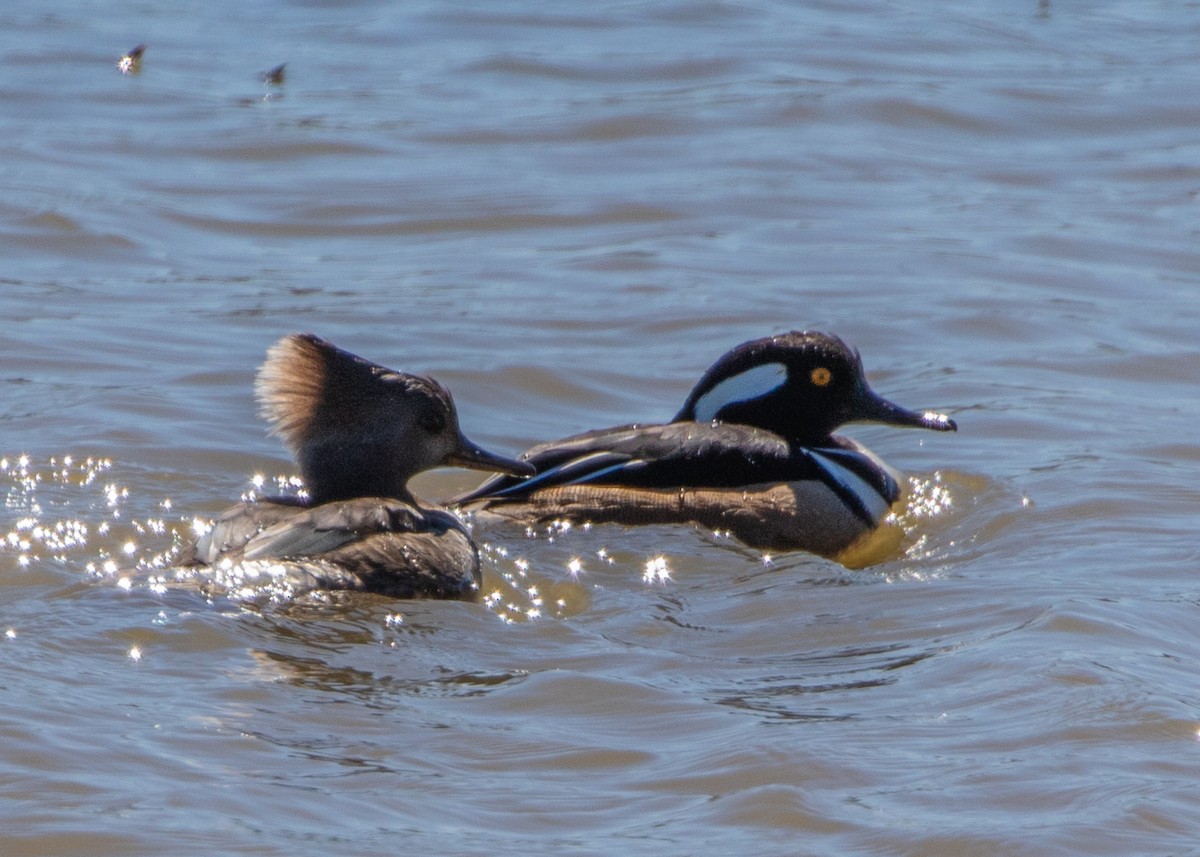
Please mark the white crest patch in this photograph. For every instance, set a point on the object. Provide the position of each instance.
(742, 387)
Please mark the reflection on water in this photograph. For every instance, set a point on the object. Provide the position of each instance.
(63, 506)
(567, 216)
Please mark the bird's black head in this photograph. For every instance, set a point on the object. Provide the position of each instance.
(800, 385)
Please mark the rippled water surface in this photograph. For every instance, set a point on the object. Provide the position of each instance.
(566, 213)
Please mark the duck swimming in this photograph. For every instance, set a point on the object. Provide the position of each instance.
(752, 452)
(359, 432)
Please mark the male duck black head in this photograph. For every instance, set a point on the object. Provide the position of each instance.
(359, 432)
(751, 452)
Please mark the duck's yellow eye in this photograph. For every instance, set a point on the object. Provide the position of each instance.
(821, 376)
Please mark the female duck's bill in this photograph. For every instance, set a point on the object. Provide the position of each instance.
(359, 432)
(752, 452)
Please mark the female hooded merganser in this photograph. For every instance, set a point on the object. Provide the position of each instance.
(359, 432)
(751, 452)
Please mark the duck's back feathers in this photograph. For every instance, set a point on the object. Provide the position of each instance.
(726, 477)
(652, 455)
(690, 455)
(373, 544)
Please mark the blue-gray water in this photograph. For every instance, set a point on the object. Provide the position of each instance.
(566, 212)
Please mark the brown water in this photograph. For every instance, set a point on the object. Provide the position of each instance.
(566, 213)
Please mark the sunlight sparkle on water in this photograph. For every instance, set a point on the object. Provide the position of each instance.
(657, 570)
(130, 63)
(115, 494)
(284, 484)
(535, 599)
(90, 517)
(929, 498)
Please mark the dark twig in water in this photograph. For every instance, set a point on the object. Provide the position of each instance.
(131, 61)
(275, 76)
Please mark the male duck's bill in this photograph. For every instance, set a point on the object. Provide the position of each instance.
(751, 452)
(359, 432)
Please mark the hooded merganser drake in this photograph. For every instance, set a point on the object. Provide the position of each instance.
(359, 432)
(751, 452)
